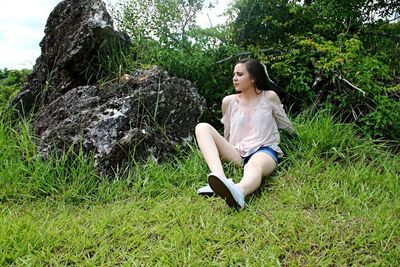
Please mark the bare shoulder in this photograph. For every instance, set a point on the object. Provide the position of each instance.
(226, 101)
(273, 97)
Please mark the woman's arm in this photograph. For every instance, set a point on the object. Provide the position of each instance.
(279, 113)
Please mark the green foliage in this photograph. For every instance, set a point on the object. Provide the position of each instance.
(271, 22)
(328, 52)
(156, 26)
(383, 121)
(112, 62)
(315, 58)
(261, 22)
(166, 21)
(11, 82)
(382, 40)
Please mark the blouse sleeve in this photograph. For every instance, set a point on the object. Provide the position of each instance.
(281, 118)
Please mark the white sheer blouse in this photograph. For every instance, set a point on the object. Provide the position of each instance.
(249, 128)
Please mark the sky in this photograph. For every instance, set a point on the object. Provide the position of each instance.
(22, 25)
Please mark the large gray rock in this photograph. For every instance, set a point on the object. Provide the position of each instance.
(75, 32)
(149, 114)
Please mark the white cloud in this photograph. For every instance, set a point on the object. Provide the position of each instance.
(211, 17)
(19, 48)
(21, 30)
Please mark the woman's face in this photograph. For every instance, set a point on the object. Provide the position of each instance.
(242, 80)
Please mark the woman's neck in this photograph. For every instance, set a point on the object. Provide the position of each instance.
(250, 94)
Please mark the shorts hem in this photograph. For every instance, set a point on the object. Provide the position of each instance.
(264, 149)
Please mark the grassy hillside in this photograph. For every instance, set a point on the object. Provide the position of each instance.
(333, 201)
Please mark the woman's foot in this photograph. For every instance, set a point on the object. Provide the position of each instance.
(205, 191)
(226, 189)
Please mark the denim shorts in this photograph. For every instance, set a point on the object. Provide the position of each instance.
(266, 150)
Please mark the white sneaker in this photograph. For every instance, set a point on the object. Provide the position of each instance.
(205, 190)
(226, 189)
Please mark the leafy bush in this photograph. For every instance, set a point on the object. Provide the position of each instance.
(340, 73)
(328, 53)
(11, 82)
(383, 121)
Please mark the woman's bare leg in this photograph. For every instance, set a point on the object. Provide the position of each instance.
(214, 147)
(259, 165)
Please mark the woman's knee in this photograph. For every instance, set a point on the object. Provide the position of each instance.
(262, 163)
(251, 167)
(201, 128)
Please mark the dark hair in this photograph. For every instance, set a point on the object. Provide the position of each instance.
(259, 73)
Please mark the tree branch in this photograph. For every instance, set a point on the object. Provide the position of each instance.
(340, 77)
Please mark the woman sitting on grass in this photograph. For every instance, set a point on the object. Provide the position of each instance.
(251, 121)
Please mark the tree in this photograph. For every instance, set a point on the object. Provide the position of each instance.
(165, 21)
(266, 22)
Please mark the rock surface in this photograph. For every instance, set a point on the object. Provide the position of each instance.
(149, 115)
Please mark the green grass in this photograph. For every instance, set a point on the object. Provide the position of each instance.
(333, 201)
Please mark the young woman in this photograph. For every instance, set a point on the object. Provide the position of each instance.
(251, 121)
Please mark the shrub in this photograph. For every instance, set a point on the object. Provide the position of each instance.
(11, 82)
